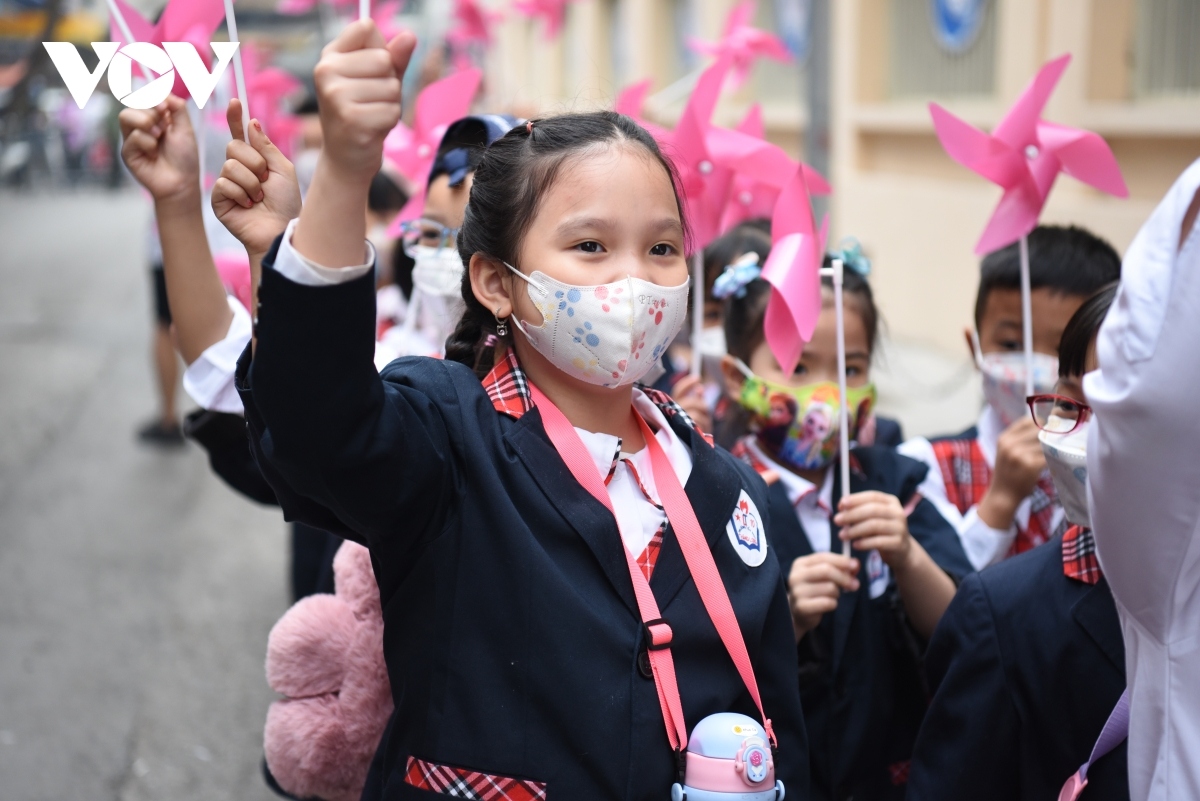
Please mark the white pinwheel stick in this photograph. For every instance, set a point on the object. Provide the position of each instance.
(119, 18)
(364, 9)
(239, 75)
(1027, 315)
(697, 308)
(836, 272)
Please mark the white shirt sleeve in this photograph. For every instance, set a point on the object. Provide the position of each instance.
(293, 266)
(1143, 469)
(1143, 476)
(982, 544)
(209, 379)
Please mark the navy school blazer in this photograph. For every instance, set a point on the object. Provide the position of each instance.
(512, 636)
(862, 689)
(1027, 665)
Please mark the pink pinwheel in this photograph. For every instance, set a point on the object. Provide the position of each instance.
(268, 89)
(762, 176)
(1024, 155)
(474, 23)
(704, 181)
(412, 150)
(191, 21)
(630, 103)
(794, 272)
(552, 13)
(742, 43)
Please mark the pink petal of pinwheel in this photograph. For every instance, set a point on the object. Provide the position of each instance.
(1015, 216)
(702, 47)
(181, 16)
(740, 16)
(793, 213)
(794, 271)
(977, 151)
(474, 22)
(295, 6)
(412, 210)
(631, 99)
(1085, 156)
(752, 123)
(443, 102)
(142, 30)
(1018, 129)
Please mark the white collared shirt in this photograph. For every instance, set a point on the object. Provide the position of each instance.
(638, 517)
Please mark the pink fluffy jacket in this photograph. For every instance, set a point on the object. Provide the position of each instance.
(325, 657)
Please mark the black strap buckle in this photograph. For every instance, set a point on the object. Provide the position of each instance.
(651, 644)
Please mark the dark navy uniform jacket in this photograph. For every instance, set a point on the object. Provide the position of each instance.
(512, 635)
(1027, 665)
(859, 670)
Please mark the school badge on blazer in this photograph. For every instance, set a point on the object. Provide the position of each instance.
(746, 532)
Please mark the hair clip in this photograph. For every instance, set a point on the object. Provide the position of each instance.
(736, 276)
(529, 127)
(850, 251)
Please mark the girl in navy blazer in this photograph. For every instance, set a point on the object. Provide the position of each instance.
(860, 620)
(515, 643)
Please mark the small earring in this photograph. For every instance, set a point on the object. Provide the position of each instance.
(501, 324)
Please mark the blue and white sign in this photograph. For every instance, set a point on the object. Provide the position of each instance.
(956, 23)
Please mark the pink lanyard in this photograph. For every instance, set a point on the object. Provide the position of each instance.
(695, 552)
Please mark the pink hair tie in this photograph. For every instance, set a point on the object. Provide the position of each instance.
(490, 342)
(529, 127)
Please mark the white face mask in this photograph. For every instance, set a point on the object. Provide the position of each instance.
(610, 335)
(1066, 456)
(1004, 380)
(438, 271)
(712, 342)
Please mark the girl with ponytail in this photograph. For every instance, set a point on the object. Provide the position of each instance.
(571, 576)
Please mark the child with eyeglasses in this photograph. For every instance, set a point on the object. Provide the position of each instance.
(1028, 662)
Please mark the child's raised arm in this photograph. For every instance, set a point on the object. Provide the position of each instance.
(358, 90)
(160, 150)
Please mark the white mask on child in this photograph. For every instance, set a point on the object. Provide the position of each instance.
(1066, 456)
(1004, 380)
(438, 271)
(610, 335)
(711, 342)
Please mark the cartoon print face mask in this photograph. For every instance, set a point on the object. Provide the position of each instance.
(799, 425)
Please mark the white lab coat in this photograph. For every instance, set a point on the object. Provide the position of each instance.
(1144, 476)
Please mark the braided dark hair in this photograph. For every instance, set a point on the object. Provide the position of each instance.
(512, 177)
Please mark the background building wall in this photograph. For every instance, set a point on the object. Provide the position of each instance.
(1133, 79)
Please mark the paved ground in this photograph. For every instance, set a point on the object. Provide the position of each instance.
(136, 591)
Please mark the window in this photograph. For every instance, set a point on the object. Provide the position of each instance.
(777, 81)
(1165, 60)
(942, 47)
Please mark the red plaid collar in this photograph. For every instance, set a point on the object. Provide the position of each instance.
(1079, 555)
(508, 389)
